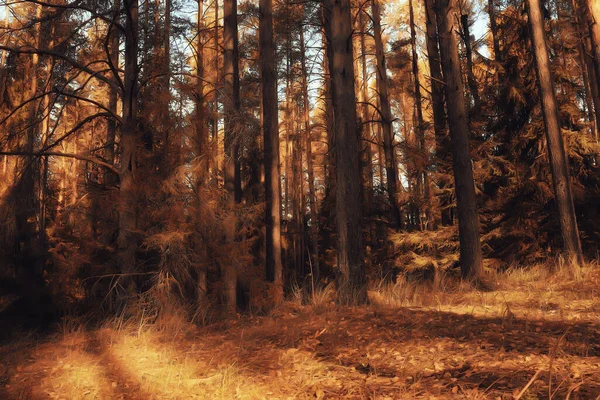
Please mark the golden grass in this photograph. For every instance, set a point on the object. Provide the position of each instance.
(414, 341)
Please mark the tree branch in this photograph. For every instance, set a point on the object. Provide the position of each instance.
(82, 157)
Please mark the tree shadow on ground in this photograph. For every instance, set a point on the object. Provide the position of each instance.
(366, 352)
(351, 338)
(509, 334)
(123, 384)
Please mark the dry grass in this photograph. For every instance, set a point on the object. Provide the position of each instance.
(537, 334)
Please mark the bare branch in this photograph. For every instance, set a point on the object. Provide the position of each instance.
(82, 157)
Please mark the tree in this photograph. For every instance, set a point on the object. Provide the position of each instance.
(468, 224)
(231, 81)
(348, 206)
(442, 145)
(386, 119)
(593, 20)
(367, 126)
(556, 149)
(314, 221)
(126, 242)
(113, 34)
(423, 188)
(202, 151)
(274, 269)
(471, 80)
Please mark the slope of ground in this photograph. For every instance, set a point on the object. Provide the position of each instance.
(535, 337)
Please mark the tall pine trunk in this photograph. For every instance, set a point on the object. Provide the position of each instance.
(471, 80)
(201, 136)
(352, 283)
(214, 154)
(442, 145)
(232, 106)
(274, 269)
(367, 126)
(554, 139)
(466, 201)
(109, 153)
(126, 242)
(386, 119)
(232, 110)
(327, 89)
(202, 154)
(165, 115)
(593, 20)
(423, 158)
(26, 199)
(314, 221)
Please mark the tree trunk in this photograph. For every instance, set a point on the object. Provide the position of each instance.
(201, 136)
(587, 67)
(494, 31)
(233, 105)
(423, 157)
(274, 269)
(593, 20)
(202, 153)
(352, 283)
(26, 209)
(442, 145)
(126, 242)
(166, 90)
(4, 52)
(214, 154)
(594, 87)
(367, 127)
(468, 224)
(297, 192)
(109, 153)
(556, 150)
(327, 89)
(386, 119)
(232, 165)
(314, 221)
(471, 80)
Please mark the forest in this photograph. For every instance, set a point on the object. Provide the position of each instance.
(317, 199)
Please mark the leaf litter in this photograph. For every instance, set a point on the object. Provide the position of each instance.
(521, 341)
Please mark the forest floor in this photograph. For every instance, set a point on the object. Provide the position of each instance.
(536, 336)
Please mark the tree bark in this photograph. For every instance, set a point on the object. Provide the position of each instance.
(126, 242)
(442, 145)
(386, 119)
(314, 221)
(327, 92)
(232, 89)
(468, 224)
(556, 151)
(423, 158)
(109, 153)
(25, 199)
(593, 20)
(494, 31)
(367, 126)
(232, 165)
(274, 269)
(202, 153)
(471, 80)
(201, 136)
(587, 66)
(166, 90)
(352, 283)
(215, 123)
